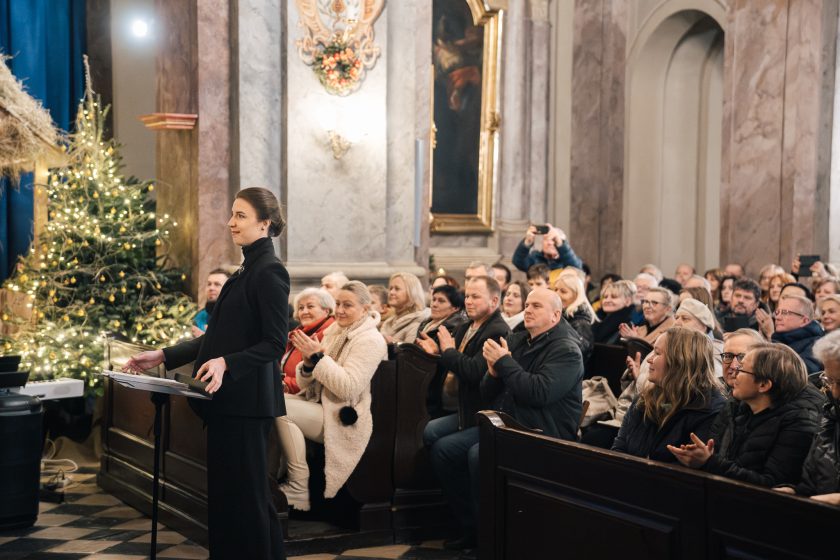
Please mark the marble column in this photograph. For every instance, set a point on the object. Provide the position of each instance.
(779, 60)
(538, 114)
(597, 145)
(193, 76)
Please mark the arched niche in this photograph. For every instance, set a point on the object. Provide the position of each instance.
(673, 138)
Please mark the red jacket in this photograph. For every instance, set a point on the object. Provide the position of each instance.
(291, 358)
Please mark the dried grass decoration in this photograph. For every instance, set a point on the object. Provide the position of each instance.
(27, 133)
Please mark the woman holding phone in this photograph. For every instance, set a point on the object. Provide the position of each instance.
(238, 357)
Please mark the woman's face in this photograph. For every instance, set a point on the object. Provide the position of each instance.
(713, 281)
(775, 289)
(726, 291)
(764, 280)
(825, 289)
(441, 307)
(655, 308)
(398, 294)
(310, 311)
(567, 296)
(612, 301)
(348, 310)
(245, 226)
(656, 360)
(689, 321)
(513, 303)
(745, 386)
(829, 315)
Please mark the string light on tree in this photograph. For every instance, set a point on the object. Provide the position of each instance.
(102, 238)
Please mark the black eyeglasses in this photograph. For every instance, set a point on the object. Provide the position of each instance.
(729, 356)
(758, 376)
(829, 382)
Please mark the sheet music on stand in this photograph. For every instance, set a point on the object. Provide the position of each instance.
(156, 384)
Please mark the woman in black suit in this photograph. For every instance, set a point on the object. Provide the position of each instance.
(238, 358)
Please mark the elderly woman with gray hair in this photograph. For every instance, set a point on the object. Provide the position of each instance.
(408, 300)
(333, 406)
(313, 308)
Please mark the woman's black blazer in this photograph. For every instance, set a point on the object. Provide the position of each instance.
(248, 327)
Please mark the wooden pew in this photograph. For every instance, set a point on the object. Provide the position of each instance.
(546, 498)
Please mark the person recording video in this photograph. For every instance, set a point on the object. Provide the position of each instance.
(555, 252)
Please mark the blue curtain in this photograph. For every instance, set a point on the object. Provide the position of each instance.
(47, 40)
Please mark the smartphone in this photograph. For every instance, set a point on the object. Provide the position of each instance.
(735, 322)
(805, 264)
(542, 229)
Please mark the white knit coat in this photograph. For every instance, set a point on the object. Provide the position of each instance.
(342, 378)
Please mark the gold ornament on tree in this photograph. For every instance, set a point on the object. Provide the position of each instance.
(338, 40)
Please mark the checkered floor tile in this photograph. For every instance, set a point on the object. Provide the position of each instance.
(94, 525)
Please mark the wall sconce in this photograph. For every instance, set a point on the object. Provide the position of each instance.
(338, 144)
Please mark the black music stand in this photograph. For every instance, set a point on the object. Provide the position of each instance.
(159, 389)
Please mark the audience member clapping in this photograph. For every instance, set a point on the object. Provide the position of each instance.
(695, 315)
(446, 309)
(682, 397)
(576, 308)
(766, 439)
(313, 309)
(643, 282)
(821, 471)
(406, 298)
(616, 308)
(829, 312)
(658, 310)
(555, 251)
(513, 303)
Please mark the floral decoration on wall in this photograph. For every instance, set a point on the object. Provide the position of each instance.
(338, 40)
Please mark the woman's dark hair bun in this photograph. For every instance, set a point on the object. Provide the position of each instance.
(266, 206)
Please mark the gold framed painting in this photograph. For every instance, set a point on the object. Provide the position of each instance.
(466, 41)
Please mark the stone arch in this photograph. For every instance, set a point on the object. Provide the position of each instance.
(673, 135)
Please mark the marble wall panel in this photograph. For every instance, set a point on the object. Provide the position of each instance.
(337, 207)
(808, 108)
(755, 77)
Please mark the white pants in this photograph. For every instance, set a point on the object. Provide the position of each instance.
(304, 420)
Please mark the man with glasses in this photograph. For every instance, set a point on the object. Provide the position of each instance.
(795, 327)
(735, 346)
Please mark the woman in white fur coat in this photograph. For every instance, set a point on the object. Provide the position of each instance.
(333, 406)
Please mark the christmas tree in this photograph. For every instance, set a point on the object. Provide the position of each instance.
(100, 268)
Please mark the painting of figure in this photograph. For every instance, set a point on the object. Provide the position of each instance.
(457, 53)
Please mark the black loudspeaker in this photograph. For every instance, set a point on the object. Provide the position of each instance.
(21, 421)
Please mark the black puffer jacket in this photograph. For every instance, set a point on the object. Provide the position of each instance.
(642, 438)
(767, 448)
(802, 342)
(821, 471)
(581, 321)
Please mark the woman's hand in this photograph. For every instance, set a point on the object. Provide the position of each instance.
(212, 372)
(143, 361)
(794, 266)
(693, 455)
(634, 365)
(785, 490)
(427, 344)
(765, 323)
(196, 332)
(833, 499)
(306, 345)
(445, 339)
(818, 270)
(626, 330)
